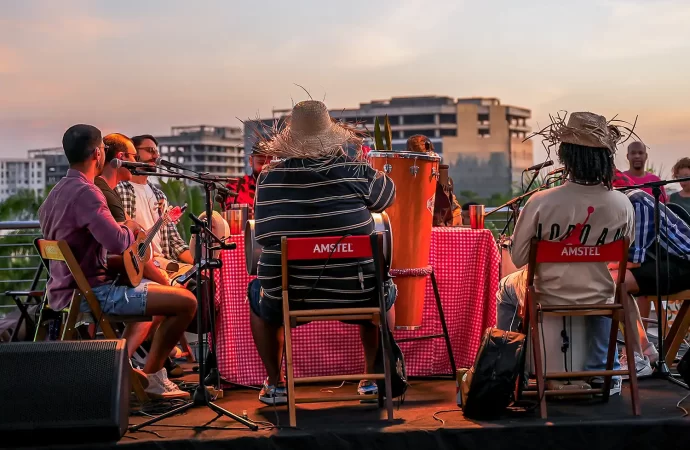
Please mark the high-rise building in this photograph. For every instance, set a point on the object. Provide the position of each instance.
(56, 163)
(17, 174)
(481, 139)
(203, 148)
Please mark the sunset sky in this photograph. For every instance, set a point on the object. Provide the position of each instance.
(143, 66)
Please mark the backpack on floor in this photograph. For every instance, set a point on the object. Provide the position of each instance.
(490, 383)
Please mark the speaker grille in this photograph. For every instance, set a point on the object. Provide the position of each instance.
(52, 384)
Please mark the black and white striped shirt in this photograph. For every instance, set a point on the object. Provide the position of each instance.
(319, 197)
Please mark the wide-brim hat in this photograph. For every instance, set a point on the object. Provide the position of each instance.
(310, 131)
(586, 129)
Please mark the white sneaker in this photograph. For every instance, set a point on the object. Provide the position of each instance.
(652, 353)
(161, 387)
(642, 365)
(616, 385)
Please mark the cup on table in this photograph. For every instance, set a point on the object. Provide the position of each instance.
(235, 220)
(477, 217)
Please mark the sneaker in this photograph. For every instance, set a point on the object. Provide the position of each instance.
(273, 395)
(367, 387)
(598, 383)
(173, 369)
(652, 353)
(642, 365)
(161, 387)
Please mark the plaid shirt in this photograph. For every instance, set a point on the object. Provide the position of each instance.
(246, 190)
(674, 233)
(171, 241)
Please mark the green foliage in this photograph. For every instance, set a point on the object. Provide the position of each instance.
(178, 194)
(379, 136)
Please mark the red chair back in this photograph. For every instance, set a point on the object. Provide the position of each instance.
(329, 247)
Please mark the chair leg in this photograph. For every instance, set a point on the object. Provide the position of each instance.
(538, 363)
(677, 332)
(610, 356)
(69, 330)
(292, 413)
(137, 387)
(632, 373)
(387, 358)
(40, 332)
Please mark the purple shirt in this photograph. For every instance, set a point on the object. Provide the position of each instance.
(76, 211)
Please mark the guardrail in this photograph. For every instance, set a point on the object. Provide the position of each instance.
(18, 259)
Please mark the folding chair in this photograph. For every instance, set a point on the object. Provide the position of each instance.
(301, 249)
(60, 251)
(30, 295)
(558, 252)
(679, 328)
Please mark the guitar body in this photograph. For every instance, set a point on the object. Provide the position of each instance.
(130, 266)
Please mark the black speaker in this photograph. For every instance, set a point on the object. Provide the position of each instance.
(64, 392)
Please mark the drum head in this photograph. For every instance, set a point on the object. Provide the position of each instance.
(252, 249)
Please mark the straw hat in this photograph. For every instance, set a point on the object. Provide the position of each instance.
(586, 129)
(310, 132)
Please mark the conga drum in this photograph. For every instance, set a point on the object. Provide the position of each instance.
(415, 176)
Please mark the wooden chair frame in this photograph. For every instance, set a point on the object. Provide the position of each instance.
(376, 314)
(548, 252)
(60, 251)
(679, 328)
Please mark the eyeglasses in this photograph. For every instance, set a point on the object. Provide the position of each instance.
(152, 150)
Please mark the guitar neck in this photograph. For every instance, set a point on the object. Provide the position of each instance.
(154, 229)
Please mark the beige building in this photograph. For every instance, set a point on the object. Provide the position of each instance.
(479, 138)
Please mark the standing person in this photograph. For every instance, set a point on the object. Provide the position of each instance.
(245, 187)
(637, 158)
(76, 211)
(682, 170)
(584, 210)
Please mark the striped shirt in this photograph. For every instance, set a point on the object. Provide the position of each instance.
(319, 197)
(674, 233)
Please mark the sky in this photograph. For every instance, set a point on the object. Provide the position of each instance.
(144, 66)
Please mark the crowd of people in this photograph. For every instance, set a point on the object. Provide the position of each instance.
(310, 179)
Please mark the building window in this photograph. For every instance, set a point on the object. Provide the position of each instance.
(449, 132)
(483, 119)
(484, 134)
(447, 118)
(427, 133)
(164, 149)
(417, 119)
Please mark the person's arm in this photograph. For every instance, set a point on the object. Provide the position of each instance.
(525, 230)
(155, 274)
(92, 212)
(381, 193)
(640, 233)
(186, 257)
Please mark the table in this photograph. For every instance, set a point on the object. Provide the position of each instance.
(466, 263)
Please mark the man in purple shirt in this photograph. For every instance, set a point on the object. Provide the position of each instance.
(76, 211)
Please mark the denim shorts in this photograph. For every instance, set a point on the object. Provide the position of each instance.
(117, 300)
(272, 311)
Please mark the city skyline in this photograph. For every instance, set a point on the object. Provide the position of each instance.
(143, 68)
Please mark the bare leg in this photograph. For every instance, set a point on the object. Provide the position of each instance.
(269, 343)
(135, 334)
(370, 340)
(645, 306)
(632, 288)
(178, 306)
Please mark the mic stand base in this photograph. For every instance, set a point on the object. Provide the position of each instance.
(662, 372)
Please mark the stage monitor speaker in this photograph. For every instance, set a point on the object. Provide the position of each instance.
(64, 392)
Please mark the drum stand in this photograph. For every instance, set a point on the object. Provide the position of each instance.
(444, 335)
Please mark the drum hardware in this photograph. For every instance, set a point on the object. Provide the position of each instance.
(387, 168)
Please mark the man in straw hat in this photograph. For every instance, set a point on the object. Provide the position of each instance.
(315, 189)
(584, 210)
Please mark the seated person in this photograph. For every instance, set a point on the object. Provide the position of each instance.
(674, 262)
(245, 187)
(682, 170)
(584, 210)
(76, 211)
(314, 190)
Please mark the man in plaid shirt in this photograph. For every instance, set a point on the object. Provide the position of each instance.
(143, 202)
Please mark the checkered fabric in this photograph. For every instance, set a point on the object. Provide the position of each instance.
(466, 263)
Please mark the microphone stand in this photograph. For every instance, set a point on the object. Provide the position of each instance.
(662, 368)
(204, 242)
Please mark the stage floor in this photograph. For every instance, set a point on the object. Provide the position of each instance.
(347, 425)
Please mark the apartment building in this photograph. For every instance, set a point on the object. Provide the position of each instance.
(480, 138)
(18, 174)
(56, 163)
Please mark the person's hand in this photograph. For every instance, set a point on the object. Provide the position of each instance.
(633, 265)
(135, 227)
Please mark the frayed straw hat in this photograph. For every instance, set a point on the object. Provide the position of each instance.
(310, 132)
(586, 129)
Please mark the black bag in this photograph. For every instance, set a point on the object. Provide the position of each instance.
(397, 368)
(684, 367)
(492, 379)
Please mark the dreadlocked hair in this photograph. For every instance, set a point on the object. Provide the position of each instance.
(587, 164)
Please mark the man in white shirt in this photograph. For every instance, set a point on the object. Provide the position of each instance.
(586, 210)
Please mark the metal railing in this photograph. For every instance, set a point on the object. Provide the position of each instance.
(19, 259)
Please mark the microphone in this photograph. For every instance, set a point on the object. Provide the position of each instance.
(539, 166)
(169, 164)
(117, 163)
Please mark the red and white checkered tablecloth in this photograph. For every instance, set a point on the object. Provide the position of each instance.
(466, 263)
